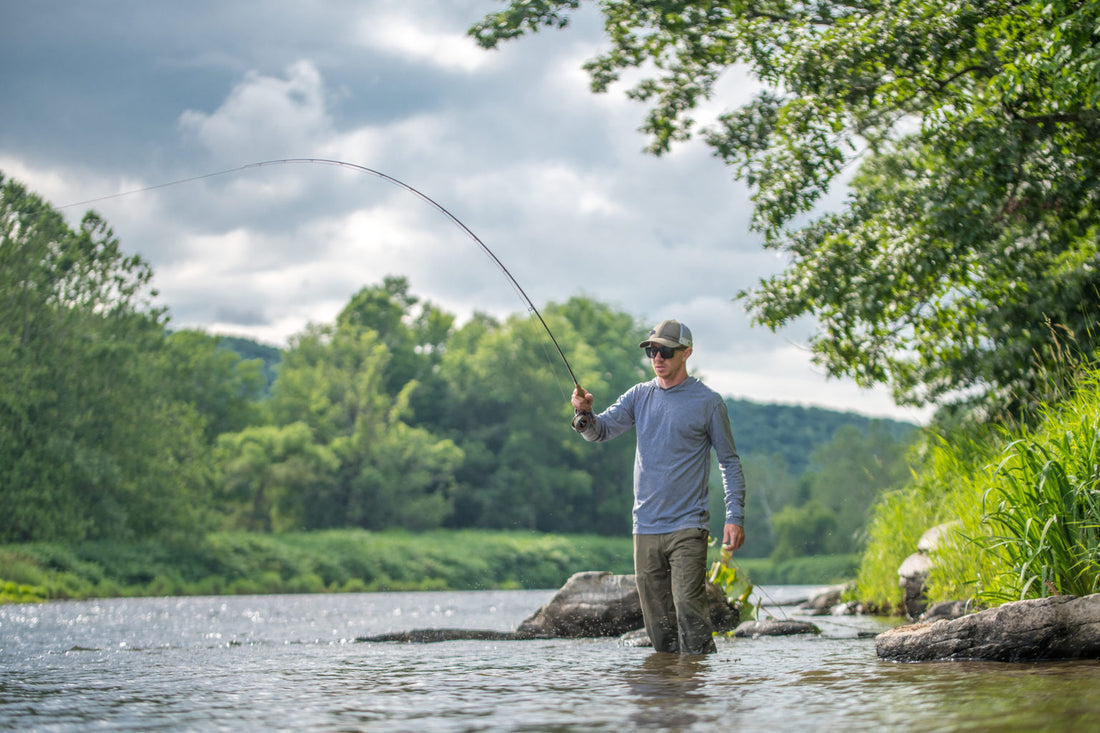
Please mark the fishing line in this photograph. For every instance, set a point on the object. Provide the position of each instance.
(579, 420)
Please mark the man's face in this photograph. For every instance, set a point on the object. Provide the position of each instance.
(667, 363)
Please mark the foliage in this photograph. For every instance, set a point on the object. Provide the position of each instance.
(824, 509)
(1023, 507)
(941, 490)
(967, 247)
(504, 400)
(340, 561)
(816, 570)
(734, 582)
(90, 445)
(369, 468)
(223, 388)
(1042, 507)
(802, 530)
(271, 477)
(849, 473)
(346, 560)
(250, 351)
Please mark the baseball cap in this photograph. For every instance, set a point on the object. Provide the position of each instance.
(669, 333)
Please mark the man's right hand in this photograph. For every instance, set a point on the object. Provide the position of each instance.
(582, 400)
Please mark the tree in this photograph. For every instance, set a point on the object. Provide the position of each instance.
(91, 445)
(965, 256)
(224, 389)
(508, 409)
(803, 530)
(414, 333)
(334, 380)
(848, 474)
(272, 478)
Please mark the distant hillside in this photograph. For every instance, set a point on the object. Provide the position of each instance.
(794, 431)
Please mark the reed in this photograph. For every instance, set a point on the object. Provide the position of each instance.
(1042, 508)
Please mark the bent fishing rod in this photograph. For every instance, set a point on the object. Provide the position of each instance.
(580, 420)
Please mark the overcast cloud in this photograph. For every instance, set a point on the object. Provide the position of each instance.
(104, 97)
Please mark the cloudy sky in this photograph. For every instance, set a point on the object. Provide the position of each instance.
(111, 96)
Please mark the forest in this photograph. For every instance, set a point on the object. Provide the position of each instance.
(116, 426)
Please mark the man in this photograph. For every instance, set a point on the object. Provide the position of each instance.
(678, 421)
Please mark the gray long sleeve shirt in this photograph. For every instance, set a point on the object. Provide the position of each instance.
(676, 429)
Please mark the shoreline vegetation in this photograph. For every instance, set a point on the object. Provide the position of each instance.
(342, 561)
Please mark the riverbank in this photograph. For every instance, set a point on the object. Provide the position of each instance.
(335, 561)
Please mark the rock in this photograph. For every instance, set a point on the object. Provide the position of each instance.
(590, 604)
(1060, 627)
(914, 569)
(594, 604)
(931, 540)
(850, 608)
(945, 610)
(911, 576)
(636, 638)
(823, 603)
(427, 636)
(774, 627)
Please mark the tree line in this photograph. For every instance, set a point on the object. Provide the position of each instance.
(112, 425)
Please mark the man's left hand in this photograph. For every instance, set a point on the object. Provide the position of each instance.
(733, 536)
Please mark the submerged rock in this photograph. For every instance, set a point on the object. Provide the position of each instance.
(1061, 627)
(775, 627)
(427, 636)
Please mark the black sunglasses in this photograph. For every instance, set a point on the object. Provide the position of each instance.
(665, 351)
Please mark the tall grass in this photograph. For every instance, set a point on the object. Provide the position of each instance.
(1042, 509)
(1024, 508)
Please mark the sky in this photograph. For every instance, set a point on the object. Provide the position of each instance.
(116, 96)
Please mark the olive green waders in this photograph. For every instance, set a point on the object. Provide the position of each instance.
(671, 570)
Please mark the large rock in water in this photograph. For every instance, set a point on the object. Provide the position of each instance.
(590, 604)
(1061, 627)
(596, 603)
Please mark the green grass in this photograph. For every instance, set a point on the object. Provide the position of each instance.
(340, 561)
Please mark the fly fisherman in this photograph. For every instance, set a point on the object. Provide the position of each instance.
(678, 421)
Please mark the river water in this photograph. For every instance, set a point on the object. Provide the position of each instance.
(292, 663)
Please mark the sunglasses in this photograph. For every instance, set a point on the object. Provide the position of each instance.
(665, 351)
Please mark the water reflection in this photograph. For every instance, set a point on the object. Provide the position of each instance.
(666, 689)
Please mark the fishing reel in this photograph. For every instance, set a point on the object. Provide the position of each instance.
(581, 420)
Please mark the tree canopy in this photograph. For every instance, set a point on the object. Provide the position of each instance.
(964, 259)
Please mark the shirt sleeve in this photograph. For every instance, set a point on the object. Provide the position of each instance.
(733, 478)
(613, 421)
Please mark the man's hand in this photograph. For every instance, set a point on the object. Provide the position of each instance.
(733, 536)
(582, 400)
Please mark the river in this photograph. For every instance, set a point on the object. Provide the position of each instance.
(292, 663)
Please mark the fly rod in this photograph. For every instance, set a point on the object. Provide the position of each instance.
(580, 420)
